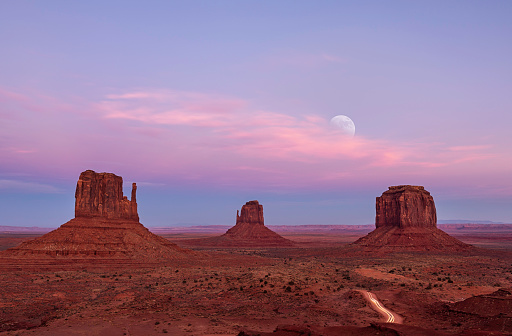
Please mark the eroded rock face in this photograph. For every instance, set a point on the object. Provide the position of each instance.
(101, 195)
(106, 227)
(406, 206)
(250, 228)
(406, 221)
(251, 213)
(249, 231)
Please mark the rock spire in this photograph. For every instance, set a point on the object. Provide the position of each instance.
(106, 227)
(249, 231)
(101, 195)
(251, 213)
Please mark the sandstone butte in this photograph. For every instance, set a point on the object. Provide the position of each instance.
(406, 220)
(249, 231)
(106, 226)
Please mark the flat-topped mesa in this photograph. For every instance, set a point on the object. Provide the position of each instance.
(101, 195)
(406, 221)
(406, 206)
(251, 213)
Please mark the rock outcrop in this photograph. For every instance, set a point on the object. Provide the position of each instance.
(251, 214)
(374, 329)
(249, 231)
(106, 227)
(406, 220)
(491, 312)
(406, 206)
(101, 195)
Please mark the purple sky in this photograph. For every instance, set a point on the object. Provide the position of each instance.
(209, 104)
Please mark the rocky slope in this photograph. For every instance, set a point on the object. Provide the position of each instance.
(106, 225)
(249, 231)
(406, 221)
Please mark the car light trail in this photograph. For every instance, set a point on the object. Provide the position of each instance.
(389, 314)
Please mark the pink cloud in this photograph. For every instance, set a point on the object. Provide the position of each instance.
(468, 148)
(171, 108)
(211, 139)
(266, 135)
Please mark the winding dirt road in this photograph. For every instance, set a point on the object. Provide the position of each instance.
(390, 316)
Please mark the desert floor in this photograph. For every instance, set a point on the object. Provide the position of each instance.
(320, 282)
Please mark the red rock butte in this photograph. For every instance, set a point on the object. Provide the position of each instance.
(106, 226)
(101, 195)
(249, 231)
(406, 220)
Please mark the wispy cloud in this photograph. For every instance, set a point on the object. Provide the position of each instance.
(171, 108)
(213, 139)
(250, 132)
(468, 148)
(28, 187)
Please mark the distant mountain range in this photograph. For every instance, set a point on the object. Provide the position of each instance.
(467, 221)
(24, 229)
(443, 224)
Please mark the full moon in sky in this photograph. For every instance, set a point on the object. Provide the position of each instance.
(344, 124)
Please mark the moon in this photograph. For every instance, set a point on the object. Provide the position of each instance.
(344, 124)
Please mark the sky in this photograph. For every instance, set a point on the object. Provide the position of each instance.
(209, 104)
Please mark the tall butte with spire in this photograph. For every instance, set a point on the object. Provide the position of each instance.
(101, 195)
(249, 231)
(406, 220)
(106, 226)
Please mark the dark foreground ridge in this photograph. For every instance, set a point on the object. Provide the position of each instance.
(406, 221)
(106, 226)
(249, 231)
